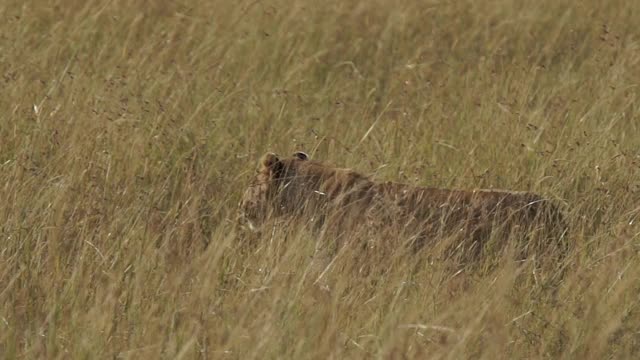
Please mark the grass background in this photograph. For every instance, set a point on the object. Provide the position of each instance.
(129, 129)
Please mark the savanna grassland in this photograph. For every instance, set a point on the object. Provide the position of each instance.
(128, 131)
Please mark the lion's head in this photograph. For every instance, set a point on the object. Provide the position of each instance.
(275, 185)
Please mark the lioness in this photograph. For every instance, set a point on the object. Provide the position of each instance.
(341, 200)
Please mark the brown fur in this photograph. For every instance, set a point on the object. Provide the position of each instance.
(341, 200)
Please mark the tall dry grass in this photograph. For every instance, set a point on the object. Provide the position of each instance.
(129, 129)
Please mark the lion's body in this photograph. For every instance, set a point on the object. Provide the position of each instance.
(341, 200)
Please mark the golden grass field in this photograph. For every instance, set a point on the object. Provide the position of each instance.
(129, 130)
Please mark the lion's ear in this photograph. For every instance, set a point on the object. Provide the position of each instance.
(269, 160)
(301, 155)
